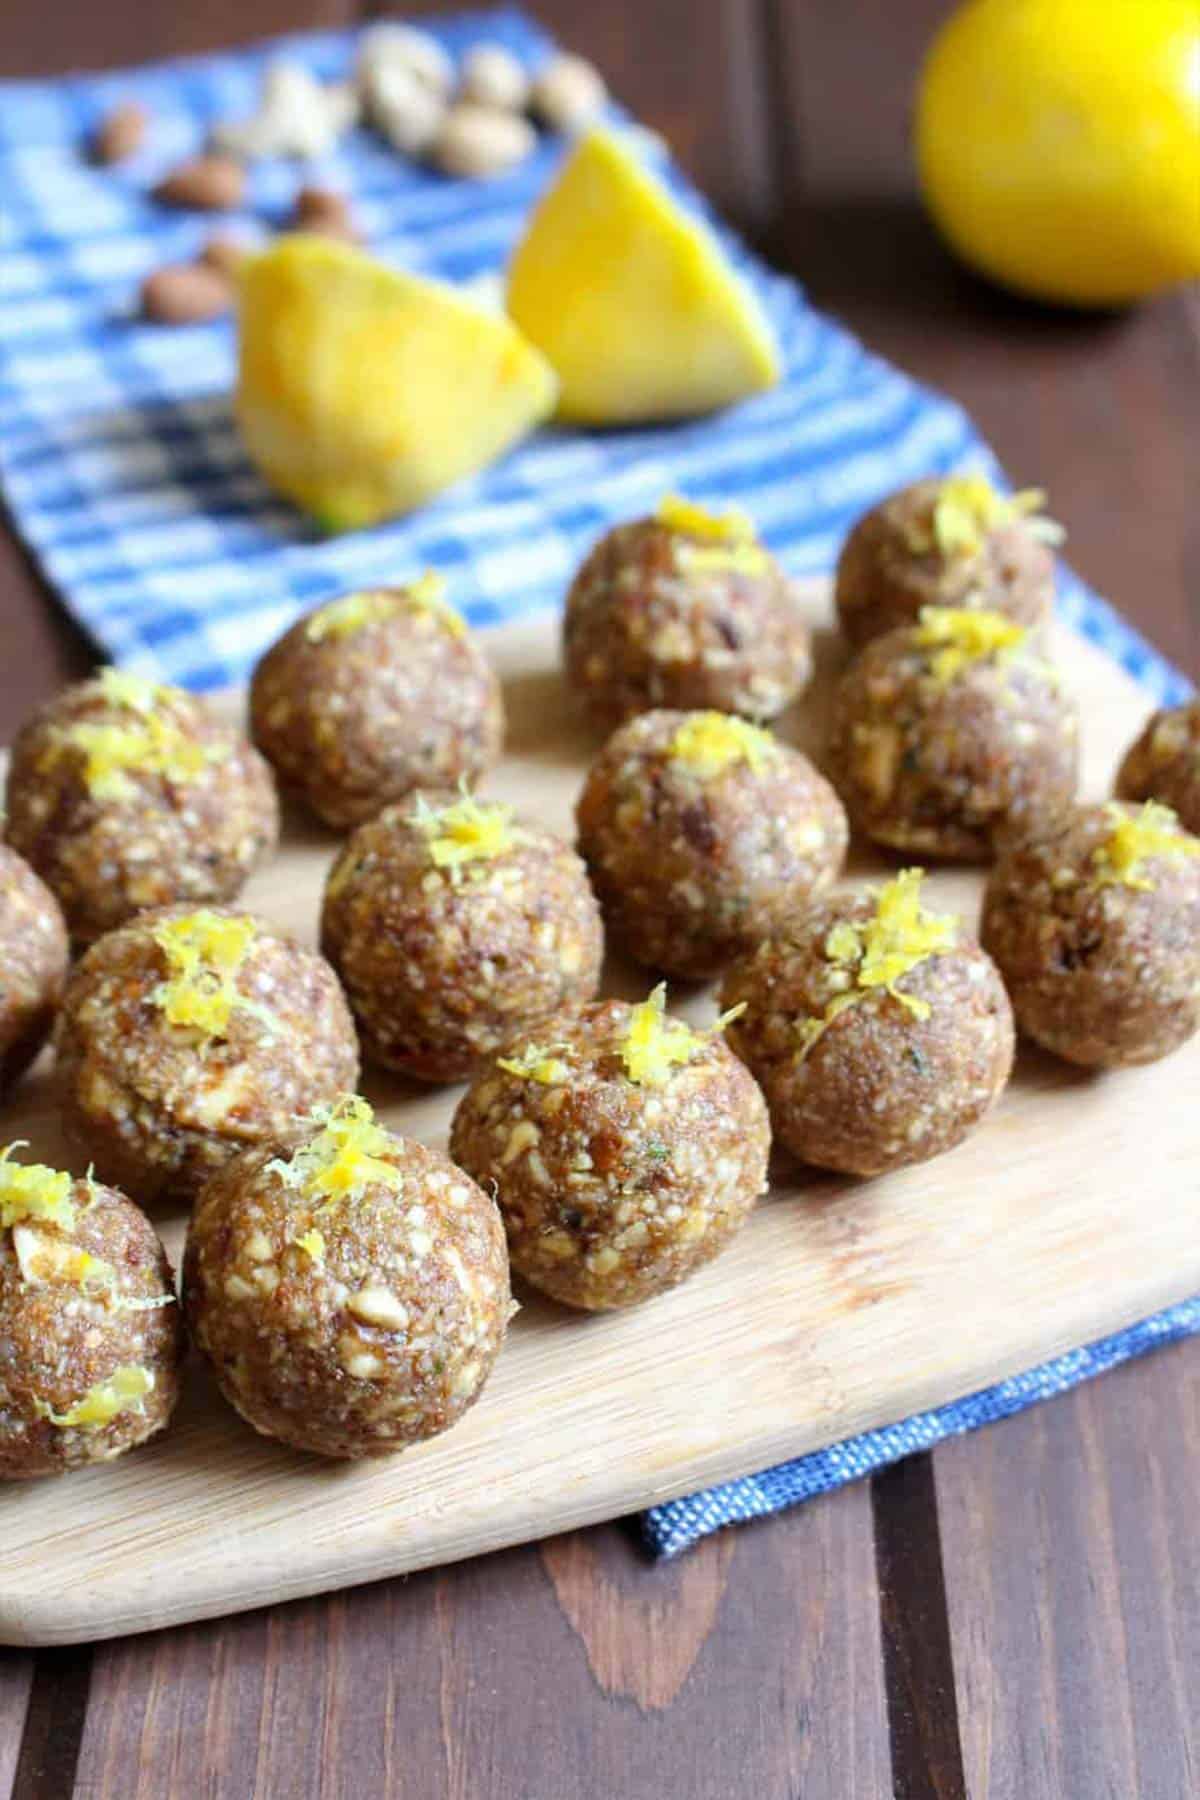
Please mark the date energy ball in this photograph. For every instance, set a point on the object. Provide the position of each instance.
(351, 1290)
(624, 1151)
(879, 1030)
(1164, 763)
(125, 795)
(952, 541)
(34, 954)
(1096, 931)
(687, 610)
(455, 926)
(374, 695)
(702, 833)
(90, 1337)
(953, 736)
(185, 1037)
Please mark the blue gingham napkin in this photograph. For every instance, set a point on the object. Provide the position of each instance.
(122, 470)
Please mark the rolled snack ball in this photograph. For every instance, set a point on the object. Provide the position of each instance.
(624, 1150)
(124, 795)
(953, 541)
(702, 833)
(954, 736)
(455, 925)
(1096, 931)
(89, 1330)
(1164, 763)
(185, 1037)
(374, 695)
(686, 610)
(34, 954)
(878, 1029)
(351, 1291)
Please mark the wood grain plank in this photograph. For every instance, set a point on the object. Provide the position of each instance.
(53, 1726)
(16, 1679)
(1073, 1582)
(527, 1676)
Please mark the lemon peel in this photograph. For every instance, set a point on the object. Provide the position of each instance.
(465, 831)
(879, 952)
(124, 1391)
(967, 509)
(653, 1044)
(150, 744)
(1153, 831)
(961, 635)
(34, 1191)
(535, 1063)
(313, 1245)
(348, 1154)
(711, 742)
(352, 613)
(204, 952)
(725, 541)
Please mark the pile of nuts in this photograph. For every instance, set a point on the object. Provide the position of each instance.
(476, 122)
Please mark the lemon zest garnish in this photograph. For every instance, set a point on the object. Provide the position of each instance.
(879, 952)
(124, 1391)
(465, 831)
(47, 1261)
(346, 1156)
(731, 527)
(149, 744)
(1153, 831)
(313, 1244)
(719, 559)
(534, 1063)
(967, 508)
(654, 1044)
(34, 1191)
(204, 952)
(962, 635)
(710, 742)
(352, 613)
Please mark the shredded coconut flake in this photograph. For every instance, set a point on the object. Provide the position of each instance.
(1154, 831)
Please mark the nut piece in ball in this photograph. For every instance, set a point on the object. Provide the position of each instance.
(90, 1339)
(702, 833)
(879, 1030)
(125, 795)
(948, 542)
(1164, 763)
(624, 1152)
(1096, 931)
(953, 736)
(374, 695)
(34, 954)
(686, 610)
(455, 926)
(185, 1037)
(350, 1292)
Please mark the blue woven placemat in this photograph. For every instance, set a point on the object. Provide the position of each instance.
(123, 472)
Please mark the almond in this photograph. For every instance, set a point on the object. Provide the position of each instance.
(322, 211)
(225, 254)
(186, 294)
(121, 133)
(207, 183)
(569, 94)
(481, 142)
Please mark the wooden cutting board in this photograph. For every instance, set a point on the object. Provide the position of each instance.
(843, 1305)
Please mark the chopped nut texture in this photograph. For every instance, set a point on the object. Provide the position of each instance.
(1164, 763)
(34, 954)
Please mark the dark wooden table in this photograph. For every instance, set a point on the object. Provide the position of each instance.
(1015, 1617)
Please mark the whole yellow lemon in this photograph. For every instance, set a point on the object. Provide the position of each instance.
(1058, 144)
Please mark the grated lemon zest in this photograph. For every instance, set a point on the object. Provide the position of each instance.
(731, 527)
(465, 831)
(313, 1244)
(882, 950)
(346, 1156)
(960, 636)
(34, 1191)
(534, 1063)
(711, 742)
(654, 1044)
(1153, 831)
(968, 508)
(204, 953)
(150, 744)
(720, 559)
(352, 613)
(124, 1391)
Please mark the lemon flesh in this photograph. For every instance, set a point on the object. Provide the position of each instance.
(362, 392)
(631, 299)
(1058, 143)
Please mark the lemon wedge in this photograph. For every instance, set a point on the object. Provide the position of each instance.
(362, 392)
(631, 299)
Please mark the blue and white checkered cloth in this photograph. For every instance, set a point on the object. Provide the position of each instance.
(123, 471)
